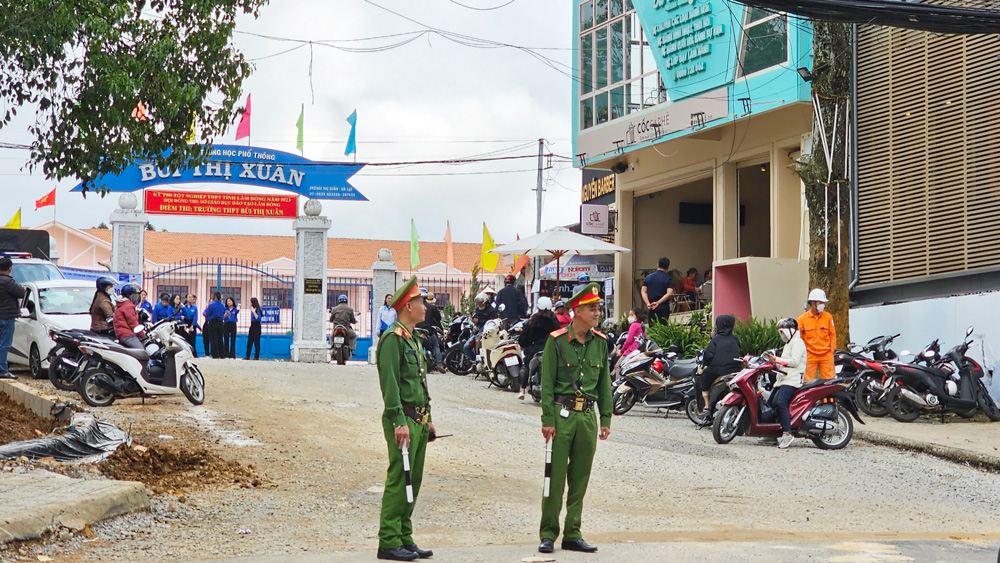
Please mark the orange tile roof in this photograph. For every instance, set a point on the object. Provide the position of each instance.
(342, 253)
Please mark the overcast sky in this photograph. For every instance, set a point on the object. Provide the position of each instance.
(429, 99)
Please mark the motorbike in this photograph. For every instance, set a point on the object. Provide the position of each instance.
(535, 377)
(426, 343)
(954, 384)
(499, 358)
(66, 362)
(340, 348)
(820, 410)
(460, 330)
(654, 379)
(719, 388)
(164, 367)
(869, 375)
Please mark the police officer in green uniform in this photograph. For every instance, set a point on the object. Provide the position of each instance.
(406, 422)
(575, 377)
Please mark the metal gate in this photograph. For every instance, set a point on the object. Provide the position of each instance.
(241, 281)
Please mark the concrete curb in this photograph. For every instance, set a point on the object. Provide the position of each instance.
(982, 461)
(45, 406)
(35, 503)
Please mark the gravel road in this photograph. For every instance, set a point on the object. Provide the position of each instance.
(313, 434)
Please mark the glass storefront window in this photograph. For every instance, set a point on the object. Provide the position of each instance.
(765, 44)
(586, 16)
(617, 53)
(601, 56)
(618, 103)
(648, 62)
(617, 8)
(586, 113)
(633, 38)
(600, 11)
(757, 14)
(633, 96)
(586, 64)
(600, 109)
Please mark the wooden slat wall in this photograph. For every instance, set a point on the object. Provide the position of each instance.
(928, 153)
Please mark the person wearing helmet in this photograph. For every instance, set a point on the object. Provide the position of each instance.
(532, 338)
(102, 307)
(820, 336)
(128, 329)
(794, 360)
(511, 302)
(484, 312)
(582, 281)
(343, 315)
(562, 315)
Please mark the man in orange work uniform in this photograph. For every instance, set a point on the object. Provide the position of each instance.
(820, 336)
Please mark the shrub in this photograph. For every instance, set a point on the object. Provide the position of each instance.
(690, 336)
(757, 335)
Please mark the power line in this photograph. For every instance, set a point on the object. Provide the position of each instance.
(483, 9)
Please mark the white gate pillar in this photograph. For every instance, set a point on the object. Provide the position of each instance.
(309, 332)
(383, 283)
(128, 228)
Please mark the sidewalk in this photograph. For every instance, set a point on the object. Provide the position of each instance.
(40, 501)
(975, 442)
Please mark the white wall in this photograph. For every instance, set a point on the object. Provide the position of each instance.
(920, 322)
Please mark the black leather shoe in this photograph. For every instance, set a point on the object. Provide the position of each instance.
(396, 554)
(578, 545)
(421, 553)
(547, 546)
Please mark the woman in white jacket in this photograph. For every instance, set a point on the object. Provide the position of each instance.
(793, 358)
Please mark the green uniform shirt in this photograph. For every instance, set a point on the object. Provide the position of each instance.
(588, 363)
(401, 374)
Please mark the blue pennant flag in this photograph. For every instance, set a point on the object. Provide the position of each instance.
(352, 146)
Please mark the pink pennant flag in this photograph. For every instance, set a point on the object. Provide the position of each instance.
(243, 130)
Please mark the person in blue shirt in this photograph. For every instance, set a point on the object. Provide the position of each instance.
(189, 316)
(213, 327)
(229, 320)
(657, 289)
(144, 303)
(163, 310)
(253, 339)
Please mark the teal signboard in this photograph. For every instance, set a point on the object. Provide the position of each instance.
(694, 42)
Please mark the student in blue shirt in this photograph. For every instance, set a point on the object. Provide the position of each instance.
(163, 310)
(189, 315)
(144, 303)
(229, 320)
(213, 327)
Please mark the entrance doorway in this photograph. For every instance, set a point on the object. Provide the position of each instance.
(754, 188)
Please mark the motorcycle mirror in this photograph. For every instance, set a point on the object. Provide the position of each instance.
(929, 353)
(968, 331)
(25, 312)
(904, 353)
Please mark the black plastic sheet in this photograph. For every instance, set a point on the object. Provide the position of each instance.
(86, 440)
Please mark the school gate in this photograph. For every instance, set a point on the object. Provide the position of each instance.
(275, 291)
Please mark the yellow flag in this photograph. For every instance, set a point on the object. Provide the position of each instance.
(486, 260)
(15, 221)
(191, 136)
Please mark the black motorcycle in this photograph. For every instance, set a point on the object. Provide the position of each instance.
(655, 379)
(952, 384)
(460, 330)
(66, 361)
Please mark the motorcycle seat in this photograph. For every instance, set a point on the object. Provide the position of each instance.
(682, 369)
(136, 353)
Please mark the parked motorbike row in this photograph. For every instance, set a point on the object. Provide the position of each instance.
(499, 357)
(101, 370)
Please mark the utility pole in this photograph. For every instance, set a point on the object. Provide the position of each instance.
(536, 263)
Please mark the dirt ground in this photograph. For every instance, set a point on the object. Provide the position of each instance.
(18, 423)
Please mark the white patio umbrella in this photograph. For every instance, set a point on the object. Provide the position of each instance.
(558, 242)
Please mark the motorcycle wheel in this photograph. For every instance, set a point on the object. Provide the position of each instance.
(845, 430)
(693, 409)
(500, 376)
(458, 363)
(342, 354)
(898, 407)
(536, 396)
(514, 378)
(61, 373)
(868, 398)
(193, 385)
(623, 402)
(92, 393)
(726, 425)
(987, 404)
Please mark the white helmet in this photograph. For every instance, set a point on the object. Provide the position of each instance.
(482, 299)
(817, 295)
(544, 304)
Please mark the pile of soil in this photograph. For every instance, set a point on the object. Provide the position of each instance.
(166, 469)
(18, 423)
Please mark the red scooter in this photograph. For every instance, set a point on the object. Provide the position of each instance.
(817, 409)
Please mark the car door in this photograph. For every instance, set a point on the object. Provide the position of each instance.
(22, 329)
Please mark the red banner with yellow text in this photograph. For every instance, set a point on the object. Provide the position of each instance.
(160, 202)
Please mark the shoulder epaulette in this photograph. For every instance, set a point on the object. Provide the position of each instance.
(558, 333)
(400, 331)
(601, 334)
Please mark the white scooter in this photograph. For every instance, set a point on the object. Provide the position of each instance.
(499, 357)
(165, 367)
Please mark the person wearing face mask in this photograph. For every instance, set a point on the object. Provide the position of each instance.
(128, 329)
(793, 358)
(102, 307)
(635, 319)
(819, 335)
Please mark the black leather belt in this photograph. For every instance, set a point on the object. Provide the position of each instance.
(574, 403)
(420, 415)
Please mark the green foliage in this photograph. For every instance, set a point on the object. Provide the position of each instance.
(689, 336)
(469, 301)
(86, 65)
(757, 335)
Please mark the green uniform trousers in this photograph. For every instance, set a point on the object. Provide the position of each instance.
(395, 528)
(573, 451)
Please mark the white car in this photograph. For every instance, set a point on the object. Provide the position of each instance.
(50, 303)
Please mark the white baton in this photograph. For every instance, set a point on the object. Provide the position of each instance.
(406, 473)
(548, 468)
